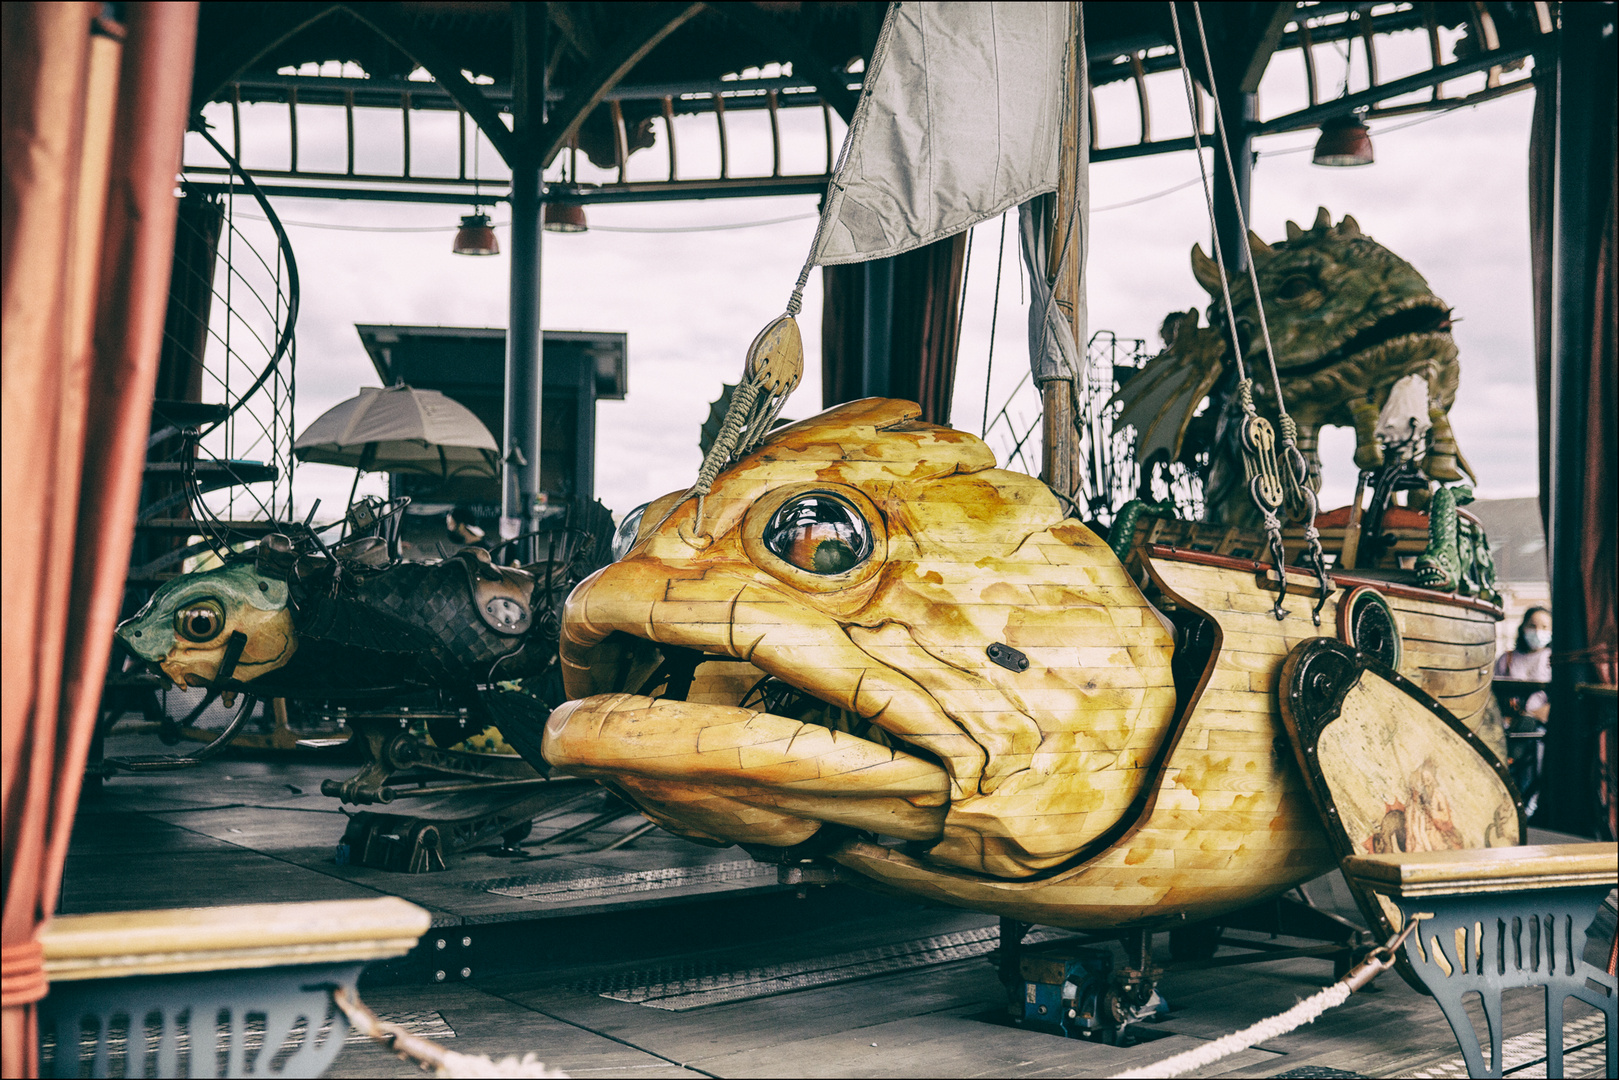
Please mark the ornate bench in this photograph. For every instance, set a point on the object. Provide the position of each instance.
(224, 991)
(1497, 918)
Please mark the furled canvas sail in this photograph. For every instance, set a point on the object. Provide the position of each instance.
(960, 121)
(962, 117)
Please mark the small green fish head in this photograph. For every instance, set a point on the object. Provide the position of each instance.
(186, 624)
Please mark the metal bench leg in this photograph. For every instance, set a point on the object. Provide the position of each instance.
(1454, 1006)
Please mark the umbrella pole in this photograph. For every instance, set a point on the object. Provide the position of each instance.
(367, 457)
(353, 488)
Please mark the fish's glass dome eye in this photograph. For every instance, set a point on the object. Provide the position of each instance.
(200, 621)
(820, 533)
(624, 538)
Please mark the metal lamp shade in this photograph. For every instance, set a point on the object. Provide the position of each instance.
(401, 430)
(476, 236)
(1344, 141)
(565, 217)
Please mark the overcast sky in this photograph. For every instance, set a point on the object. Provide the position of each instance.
(1449, 194)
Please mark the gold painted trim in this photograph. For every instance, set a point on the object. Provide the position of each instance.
(123, 943)
(1509, 869)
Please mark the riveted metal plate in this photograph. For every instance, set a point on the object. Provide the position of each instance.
(589, 882)
(677, 988)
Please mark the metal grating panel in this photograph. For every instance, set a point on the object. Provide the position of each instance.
(429, 1025)
(1524, 1056)
(589, 882)
(692, 985)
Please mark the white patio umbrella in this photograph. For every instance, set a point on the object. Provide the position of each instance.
(401, 430)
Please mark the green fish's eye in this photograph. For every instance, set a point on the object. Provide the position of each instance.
(1295, 288)
(200, 621)
(820, 533)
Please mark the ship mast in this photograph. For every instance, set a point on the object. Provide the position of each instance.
(1059, 440)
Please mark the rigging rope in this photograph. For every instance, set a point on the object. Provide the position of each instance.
(994, 317)
(1301, 497)
(428, 1055)
(1269, 486)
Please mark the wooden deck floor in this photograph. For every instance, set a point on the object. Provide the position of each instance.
(604, 965)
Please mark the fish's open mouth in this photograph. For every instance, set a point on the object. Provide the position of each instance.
(1421, 317)
(131, 668)
(715, 748)
(679, 670)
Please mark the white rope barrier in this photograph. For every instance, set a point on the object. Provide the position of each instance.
(429, 1055)
(1305, 1012)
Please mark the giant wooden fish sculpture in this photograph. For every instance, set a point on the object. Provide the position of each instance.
(872, 645)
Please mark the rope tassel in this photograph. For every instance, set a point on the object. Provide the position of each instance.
(774, 367)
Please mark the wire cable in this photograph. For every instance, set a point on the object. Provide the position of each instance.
(994, 317)
(722, 227)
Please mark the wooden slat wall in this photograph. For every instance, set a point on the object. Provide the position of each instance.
(1450, 653)
(1233, 823)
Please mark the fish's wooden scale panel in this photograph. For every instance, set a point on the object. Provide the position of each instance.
(1232, 821)
(1068, 790)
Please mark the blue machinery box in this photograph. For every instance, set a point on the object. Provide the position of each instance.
(1071, 994)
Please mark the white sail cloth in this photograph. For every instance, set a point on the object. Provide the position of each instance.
(1053, 348)
(960, 121)
(1055, 342)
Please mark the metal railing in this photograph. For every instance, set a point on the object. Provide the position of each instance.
(233, 314)
(1486, 44)
(1109, 475)
(1482, 47)
(721, 98)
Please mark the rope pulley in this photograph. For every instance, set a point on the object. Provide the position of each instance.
(1271, 485)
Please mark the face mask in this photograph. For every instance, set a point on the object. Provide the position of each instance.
(1537, 639)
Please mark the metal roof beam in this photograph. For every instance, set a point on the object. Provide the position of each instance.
(576, 32)
(215, 74)
(1367, 98)
(563, 124)
(690, 96)
(1265, 44)
(387, 21)
(807, 63)
(635, 191)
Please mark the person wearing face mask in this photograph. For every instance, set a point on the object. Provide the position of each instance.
(1525, 714)
(1531, 660)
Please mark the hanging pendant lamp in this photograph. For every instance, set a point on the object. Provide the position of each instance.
(476, 236)
(565, 217)
(1344, 142)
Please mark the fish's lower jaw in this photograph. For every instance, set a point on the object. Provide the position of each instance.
(744, 776)
(187, 675)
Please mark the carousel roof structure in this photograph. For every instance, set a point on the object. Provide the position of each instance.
(603, 78)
